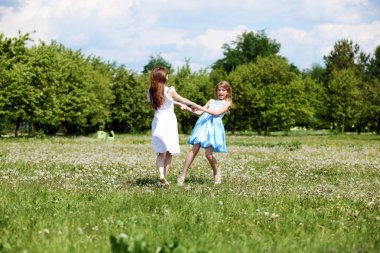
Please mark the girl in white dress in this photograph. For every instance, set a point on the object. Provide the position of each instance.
(165, 140)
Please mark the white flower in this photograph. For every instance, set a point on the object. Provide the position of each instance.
(80, 230)
(370, 204)
(123, 236)
(275, 216)
(44, 231)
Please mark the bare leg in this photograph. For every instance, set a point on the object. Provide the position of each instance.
(167, 162)
(160, 162)
(211, 159)
(188, 161)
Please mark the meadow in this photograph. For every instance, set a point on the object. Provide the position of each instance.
(296, 193)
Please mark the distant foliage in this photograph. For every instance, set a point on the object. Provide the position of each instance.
(49, 88)
(195, 86)
(246, 48)
(268, 96)
(156, 60)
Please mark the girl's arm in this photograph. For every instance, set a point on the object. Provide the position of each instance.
(198, 111)
(214, 112)
(182, 106)
(173, 93)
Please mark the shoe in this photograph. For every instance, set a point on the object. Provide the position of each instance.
(180, 180)
(217, 179)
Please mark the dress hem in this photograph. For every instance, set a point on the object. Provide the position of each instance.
(203, 146)
(172, 153)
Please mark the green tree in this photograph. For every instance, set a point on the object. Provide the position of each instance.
(345, 55)
(345, 63)
(247, 48)
(130, 110)
(99, 84)
(47, 65)
(317, 73)
(193, 85)
(374, 64)
(88, 94)
(367, 114)
(317, 91)
(343, 97)
(18, 97)
(371, 107)
(268, 96)
(157, 60)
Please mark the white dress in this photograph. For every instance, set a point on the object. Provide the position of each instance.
(164, 127)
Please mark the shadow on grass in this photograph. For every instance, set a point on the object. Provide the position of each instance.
(193, 180)
(145, 181)
(197, 180)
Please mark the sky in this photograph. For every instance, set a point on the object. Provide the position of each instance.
(129, 32)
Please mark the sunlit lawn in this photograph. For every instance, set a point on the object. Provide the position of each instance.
(297, 193)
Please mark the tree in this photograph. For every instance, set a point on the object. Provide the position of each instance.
(345, 84)
(268, 96)
(47, 65)
(196, 86)
(345, 55)
(343, 97)
(18, 97)
(130, 110)
(87, 99)
(367, 114)
(374, 64)
(317, 73)
(100, 82)
(247, 48)
(157, 60)
(371, 107)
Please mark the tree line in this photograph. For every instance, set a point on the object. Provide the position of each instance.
(49, 88)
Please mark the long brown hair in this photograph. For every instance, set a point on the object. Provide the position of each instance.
(225, 85)
(157, 84)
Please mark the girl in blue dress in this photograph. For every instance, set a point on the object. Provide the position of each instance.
(208, 132)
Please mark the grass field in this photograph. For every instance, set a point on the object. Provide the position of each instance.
(279, 194)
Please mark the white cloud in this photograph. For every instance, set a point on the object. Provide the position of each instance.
(307, 47)
(205, 48)
(131, 31)
(209, 44)
(340, 11)
(366, 35)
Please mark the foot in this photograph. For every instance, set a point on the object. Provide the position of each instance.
(217, 179)
(166, 182)
(163, 182)
(180, 180)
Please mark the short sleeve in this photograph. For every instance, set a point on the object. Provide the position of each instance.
(170, 88)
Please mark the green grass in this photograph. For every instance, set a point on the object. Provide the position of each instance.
(296, 193)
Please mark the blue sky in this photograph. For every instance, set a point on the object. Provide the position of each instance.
(130, 31)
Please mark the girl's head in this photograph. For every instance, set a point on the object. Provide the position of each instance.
(223, 91)
(158, 79)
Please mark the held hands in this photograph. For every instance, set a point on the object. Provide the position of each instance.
(196, 107)
(185, 108)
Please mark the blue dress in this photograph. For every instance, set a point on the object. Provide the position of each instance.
(209, 130)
